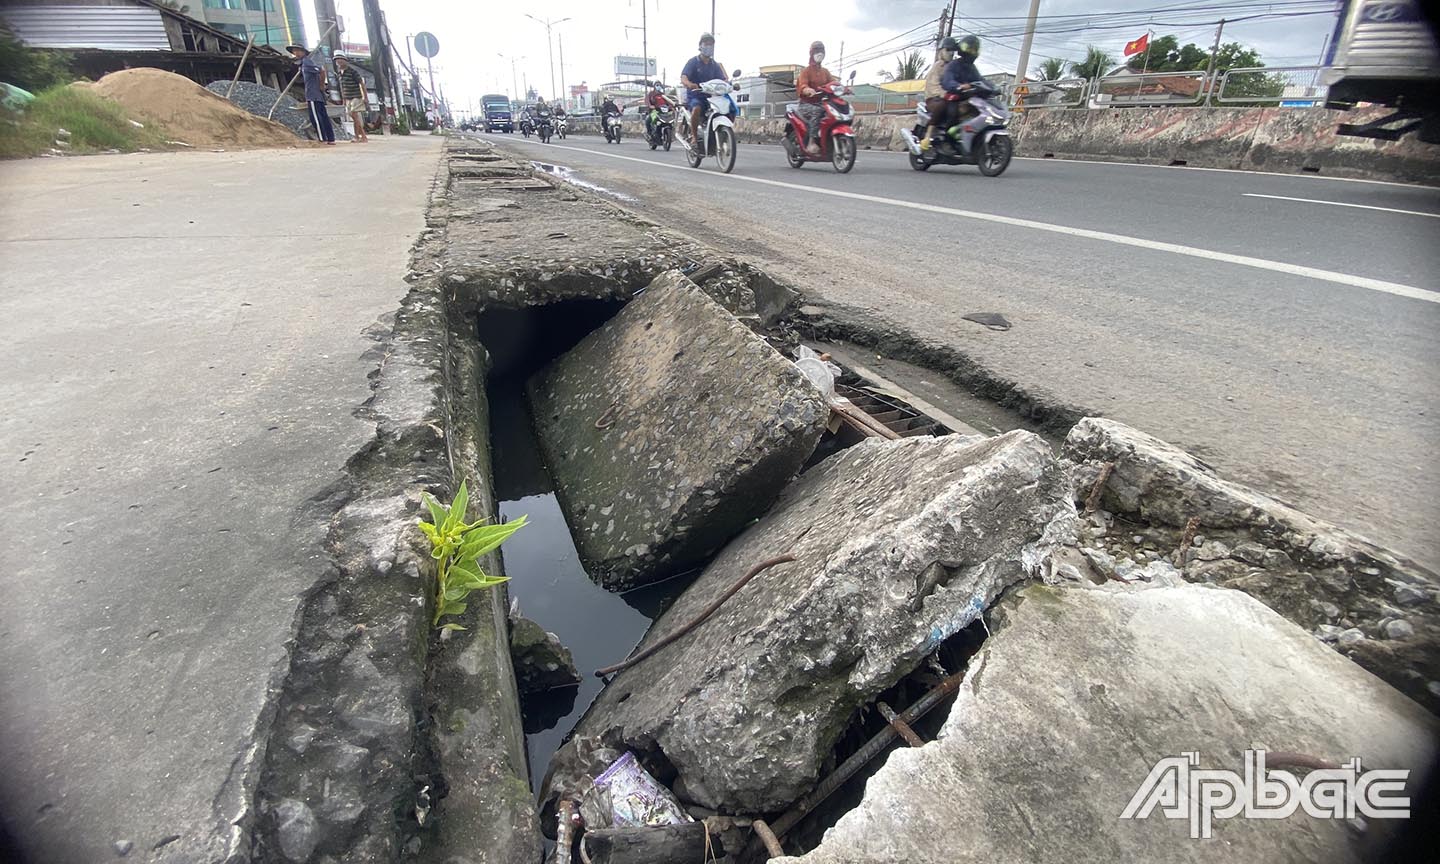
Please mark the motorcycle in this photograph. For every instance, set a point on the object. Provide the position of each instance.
(527, 126)
(544, 127)
(612, 126)
(717, 126)
(984, 141)
(837, 138)
(560, 123)
(661, 130)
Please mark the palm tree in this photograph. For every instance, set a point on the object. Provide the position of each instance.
(1051, 70)
(908, 67)
(1096, 63)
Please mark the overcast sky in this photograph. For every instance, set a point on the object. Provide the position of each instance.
(754, 33)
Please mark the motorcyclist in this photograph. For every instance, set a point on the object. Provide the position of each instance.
(701, 68)
(654, 101)
(935, 94)
(808, 84)
(963, 79)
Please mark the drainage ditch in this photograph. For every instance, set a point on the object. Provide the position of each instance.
(550, 586)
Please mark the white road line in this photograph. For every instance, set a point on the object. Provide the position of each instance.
(1380, 285)
(1246, 171)
(1342, 204)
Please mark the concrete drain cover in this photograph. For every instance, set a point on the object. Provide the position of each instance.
(515, 185)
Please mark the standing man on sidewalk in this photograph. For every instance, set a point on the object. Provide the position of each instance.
(352, 93)
(315, 85)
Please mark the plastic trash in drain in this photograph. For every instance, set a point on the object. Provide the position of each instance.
(626, 796)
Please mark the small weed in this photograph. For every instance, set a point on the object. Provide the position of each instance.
(456, 547)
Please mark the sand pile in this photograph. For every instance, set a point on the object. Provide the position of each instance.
(189, 112)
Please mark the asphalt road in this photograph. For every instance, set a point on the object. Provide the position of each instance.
(1284, 328)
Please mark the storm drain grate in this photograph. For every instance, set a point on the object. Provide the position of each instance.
(890, 412)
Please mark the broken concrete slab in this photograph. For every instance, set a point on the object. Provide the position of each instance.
(1080, 691)
(541, 662)
(529, 252)
(898, 546)
(667, 430)
(1300, 566)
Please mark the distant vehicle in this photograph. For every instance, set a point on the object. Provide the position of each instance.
(498, 115)
(1384, 52)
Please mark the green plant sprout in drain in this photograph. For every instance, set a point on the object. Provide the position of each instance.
(456, 547)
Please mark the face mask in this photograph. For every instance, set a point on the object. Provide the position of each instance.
(707, 50)
(818, 57)
(947, 55)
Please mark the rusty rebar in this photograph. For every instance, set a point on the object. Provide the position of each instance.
(772, 843)
(564, 831)
(874, 747)
(1192, 526)
(698, 619)
(899, 725)
(1093, 500)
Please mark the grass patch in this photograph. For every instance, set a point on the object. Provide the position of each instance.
(95, 124)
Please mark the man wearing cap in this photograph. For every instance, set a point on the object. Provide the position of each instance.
(701, 68)
(315, 85)
(808, 84)
(352, 91)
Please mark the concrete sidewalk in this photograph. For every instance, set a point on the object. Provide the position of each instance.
(184, 341)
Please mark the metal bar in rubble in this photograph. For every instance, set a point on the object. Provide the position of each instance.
(874, 747)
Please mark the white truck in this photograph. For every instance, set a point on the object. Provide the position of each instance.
(1385, 52)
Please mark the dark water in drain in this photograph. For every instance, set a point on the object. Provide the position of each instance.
(550, 583)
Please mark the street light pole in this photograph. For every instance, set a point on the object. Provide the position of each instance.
(517, 96)
(550, 44)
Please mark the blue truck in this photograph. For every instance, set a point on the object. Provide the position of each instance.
(498, 114)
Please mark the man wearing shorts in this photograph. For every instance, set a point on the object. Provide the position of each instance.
(352, 93)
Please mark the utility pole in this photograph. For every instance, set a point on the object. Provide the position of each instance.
(379, 54)
(1025, 45)
(517, 96)
(1210, 70)
(950, 25)
(325, 14)
(550, 44)
(712, 20)
(944, 24)
(563, 100)
(414, 76)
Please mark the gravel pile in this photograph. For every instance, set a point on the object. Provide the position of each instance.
(257, 99)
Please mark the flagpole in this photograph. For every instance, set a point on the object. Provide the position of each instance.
(1148, 36)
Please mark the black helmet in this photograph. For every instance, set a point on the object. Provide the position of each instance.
(706, 37)
(969, 46)
(949, 44)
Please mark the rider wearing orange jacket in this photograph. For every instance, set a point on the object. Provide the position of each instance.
(808, 84)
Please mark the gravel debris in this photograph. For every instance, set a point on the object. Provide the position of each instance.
(257, 99)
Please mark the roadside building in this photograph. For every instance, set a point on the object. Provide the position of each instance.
(104, 36)
(271, 22)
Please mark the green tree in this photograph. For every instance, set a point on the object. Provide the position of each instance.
(1096, 63)
(32, 69)
(1052, 69)
(908, 67)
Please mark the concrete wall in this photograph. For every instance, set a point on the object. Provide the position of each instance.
(1283, 140)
